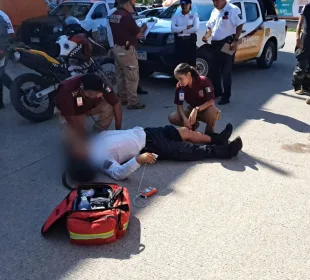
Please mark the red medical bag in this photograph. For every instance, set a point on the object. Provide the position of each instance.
(93, 227)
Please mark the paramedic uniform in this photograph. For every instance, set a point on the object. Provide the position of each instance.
(6, 28)
(185, 39)
(223, 24)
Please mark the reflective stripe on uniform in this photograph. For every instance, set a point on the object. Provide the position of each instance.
(91, 236)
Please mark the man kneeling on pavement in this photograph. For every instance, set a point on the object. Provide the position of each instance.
(87, 95)
(120, 153)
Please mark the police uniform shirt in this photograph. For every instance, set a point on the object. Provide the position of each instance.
(10, 28)
(180, 22)
(223, 23)
(200, 92)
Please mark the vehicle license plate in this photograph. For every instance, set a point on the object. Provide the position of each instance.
(142, 55)
(34, 40)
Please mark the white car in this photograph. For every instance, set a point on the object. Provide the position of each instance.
(260, 39)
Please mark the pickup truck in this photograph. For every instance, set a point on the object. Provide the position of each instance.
(260, 39)
(43, 32)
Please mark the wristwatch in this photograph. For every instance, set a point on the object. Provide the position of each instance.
(197, 108)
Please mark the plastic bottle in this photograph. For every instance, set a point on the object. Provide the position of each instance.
(84, 204)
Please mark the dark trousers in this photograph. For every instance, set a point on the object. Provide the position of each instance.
(301, 75)
(186, 51)
(221, 69)
(167, 143)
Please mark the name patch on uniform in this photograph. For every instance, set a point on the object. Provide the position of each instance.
(201, 93)
(208, 89)
(79, 101)
(108, 89)
(181, 95)
(115, 18)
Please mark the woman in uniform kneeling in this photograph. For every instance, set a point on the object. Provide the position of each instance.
(198, 92)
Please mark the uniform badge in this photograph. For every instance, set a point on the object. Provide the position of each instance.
(201, 93)
(108, 89)
(191, 17)
(181, 95)
(208, 89)
(79, 101)
(226, 15)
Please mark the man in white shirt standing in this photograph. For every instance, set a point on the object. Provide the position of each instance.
(185, 26)
(225, 27)
(6, 29)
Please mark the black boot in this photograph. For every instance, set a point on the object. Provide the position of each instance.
(228, 151)
(141, 91)
(222, 138)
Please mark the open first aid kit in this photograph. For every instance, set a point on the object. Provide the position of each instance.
(96, 213)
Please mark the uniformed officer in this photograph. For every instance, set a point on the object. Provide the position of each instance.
(111, 41)
(87, 95)
(197, 91)
(225, 26)
(301, 75)
(6, 29)
(185, 25)
(125, 34)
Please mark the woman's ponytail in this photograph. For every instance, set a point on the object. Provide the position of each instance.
(184, 68)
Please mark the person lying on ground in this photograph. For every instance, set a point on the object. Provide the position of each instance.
(120, 153)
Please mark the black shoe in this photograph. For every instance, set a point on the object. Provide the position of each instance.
(136, 106)
(223, 101)
(235, 147)
(141, 91)
(222, 138)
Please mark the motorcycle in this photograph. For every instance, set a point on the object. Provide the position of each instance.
(32, 94)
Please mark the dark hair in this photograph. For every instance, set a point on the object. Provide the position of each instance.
(80, 170)
(184, 68)
(115, 4)
(92, 82)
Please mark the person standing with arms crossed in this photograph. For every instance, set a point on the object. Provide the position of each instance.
(185, 25)
(125, 33)
(6, 30)
(225, 27)
(302, 50)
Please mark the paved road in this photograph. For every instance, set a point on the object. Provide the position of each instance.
(242, 219)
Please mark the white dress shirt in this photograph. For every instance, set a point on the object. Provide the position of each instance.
(180, 22)
(114, 151)
(221, 27)
(8, 21)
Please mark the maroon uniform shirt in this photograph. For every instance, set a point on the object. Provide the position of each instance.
(66, 99)
(124, 28)
(200, 92)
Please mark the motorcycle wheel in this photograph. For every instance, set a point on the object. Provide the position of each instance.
(26, 103)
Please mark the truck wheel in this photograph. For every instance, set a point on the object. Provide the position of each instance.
(268, 56)
(203, 62)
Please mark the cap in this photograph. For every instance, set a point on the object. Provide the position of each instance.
(92, 82)
(185, 2)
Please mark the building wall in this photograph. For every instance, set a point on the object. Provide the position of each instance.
(20, 10)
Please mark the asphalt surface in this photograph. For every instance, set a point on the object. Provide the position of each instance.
(246, 218)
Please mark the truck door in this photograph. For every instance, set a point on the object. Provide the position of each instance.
(252, 36)
(99, 17)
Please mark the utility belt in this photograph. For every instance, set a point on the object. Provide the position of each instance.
(220, 43)
(192, 37)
